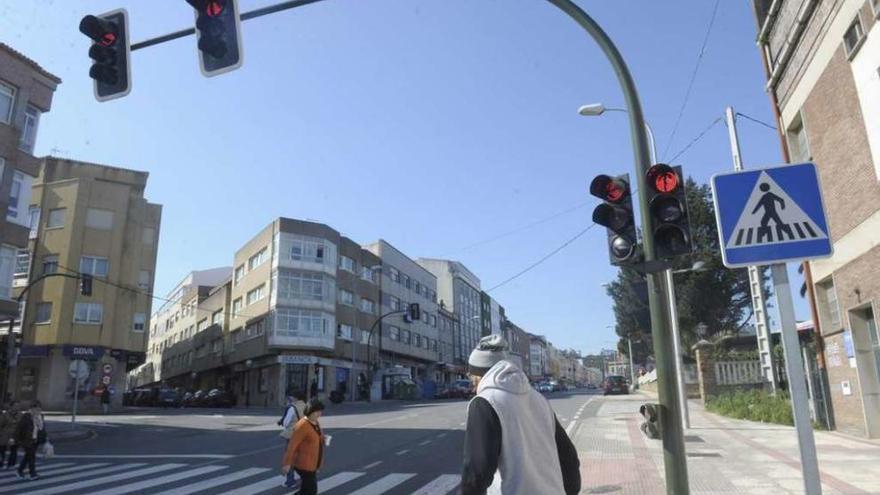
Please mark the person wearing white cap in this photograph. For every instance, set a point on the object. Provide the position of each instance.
(513, 443)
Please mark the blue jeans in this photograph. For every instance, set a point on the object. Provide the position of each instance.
(291, 479)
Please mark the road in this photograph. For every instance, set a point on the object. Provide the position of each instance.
(386, 448)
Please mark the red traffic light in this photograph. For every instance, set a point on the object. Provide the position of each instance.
(663, 178)
(609, 189)
(213, 8)
(101, 31)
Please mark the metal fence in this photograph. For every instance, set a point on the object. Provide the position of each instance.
(738, 372)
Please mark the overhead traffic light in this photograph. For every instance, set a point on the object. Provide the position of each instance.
(111, 52)
(616, 214)
(668, 204)
(85, 284)
(218, 29)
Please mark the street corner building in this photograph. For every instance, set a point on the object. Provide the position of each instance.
(85, 219)
(822, 60)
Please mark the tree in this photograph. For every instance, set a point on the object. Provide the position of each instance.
(715, 296)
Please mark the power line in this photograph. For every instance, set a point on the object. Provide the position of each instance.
(761, 122)
(545, 258)
(690, 86)
(695, 140)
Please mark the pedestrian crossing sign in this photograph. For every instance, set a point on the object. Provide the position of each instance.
(772, 215)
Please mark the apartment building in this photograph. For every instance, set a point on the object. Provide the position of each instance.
(538, 366)
(448, 327)
(519, 342)
(413, 345)
(458, 290)
(822, 61)
(86, 219)
(26, 91)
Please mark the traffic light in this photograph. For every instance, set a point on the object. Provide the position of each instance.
(111, 52)
(616, 214)
(85, 284)
(414, 312)
(218, 29)
(668, 204)
(651, 426)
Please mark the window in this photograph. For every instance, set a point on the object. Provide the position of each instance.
(7, 102)
(217, 346)
(393, 303)
(433, 319)
(253, 330)
(93, 265)
(236, 307)
(828, 304)
(344, 332)
(88, 313)
(202, 324)
(346, 264)
(56, 218)
(99, 219)
(140, 321)
(255, 295)
(368, 306)
(217, 318)
(19, 198)
(404, 336)
(34, 220)
(299, 323)
(394, 274)
(300, 285)
(7, 266)
(416, 340)
(239, 274)
(346, 297)
(144, 279)
(797, 141)
(394, 333)
(367, 274)
(258, 259)
(874, 336)
(853, 37)
(418, 288)
(237, 336)
(365, 336)
(307, 249)
(406, 281)
(29, 131)
(148, 236)
(44, 312)
(50, 263)
(22, 264)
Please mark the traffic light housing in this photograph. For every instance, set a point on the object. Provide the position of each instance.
(111, 53)
(616, 215)
(218, 29)
(668, 205)
(414, 312)
(85, 284)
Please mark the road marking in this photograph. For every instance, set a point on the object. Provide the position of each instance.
(79, 474)
(462, 424)
(259, 487)
(441, 436)
(54, 472)
(440, 486)
(336, 480)
(146, 456)
(102, 480)
(372, 465)
(150, 483)
(384, 484)
(404, 451)
(211, 483)
(426, 442)
(570, 427)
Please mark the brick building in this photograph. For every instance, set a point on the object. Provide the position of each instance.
(822, 60)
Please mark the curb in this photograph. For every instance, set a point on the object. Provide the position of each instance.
(77, 435)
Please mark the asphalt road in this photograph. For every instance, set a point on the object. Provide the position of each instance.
(385, 448)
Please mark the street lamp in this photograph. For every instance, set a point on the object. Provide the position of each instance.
(597, 109)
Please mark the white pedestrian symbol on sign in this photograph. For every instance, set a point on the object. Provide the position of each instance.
(772, 217)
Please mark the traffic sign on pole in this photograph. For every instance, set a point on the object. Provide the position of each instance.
(772, 215)
(78, 369)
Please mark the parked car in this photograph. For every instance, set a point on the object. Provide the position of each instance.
(194, 399)
(218, 398)
(462, 389)
(591, 386)
(615, 384)
(544, 387)
(167, 397)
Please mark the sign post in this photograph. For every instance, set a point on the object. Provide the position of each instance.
(771, 216)
(79, 371)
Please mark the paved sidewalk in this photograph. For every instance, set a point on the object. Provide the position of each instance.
(725, 456)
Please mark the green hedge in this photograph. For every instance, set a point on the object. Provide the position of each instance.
(753, 405)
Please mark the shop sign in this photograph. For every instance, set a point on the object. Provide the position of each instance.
(289, 359)
(83, 352)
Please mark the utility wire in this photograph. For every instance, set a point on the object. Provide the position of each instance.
(756, 121)
(695, 140)
(545, 258)
(690, 86)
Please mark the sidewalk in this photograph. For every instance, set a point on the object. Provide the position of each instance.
(725, 456)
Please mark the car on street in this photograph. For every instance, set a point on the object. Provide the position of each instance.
(544, 387)
(463, 389)
(615, 384)
(591, 386)
(219, 398)
(167, 397)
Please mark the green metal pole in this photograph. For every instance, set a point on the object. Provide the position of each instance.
(670, 416)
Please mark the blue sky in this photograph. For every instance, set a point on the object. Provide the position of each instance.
(432, 124)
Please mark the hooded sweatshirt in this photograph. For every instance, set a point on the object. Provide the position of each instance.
(513, 443)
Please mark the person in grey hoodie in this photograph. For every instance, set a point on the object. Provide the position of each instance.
(513, 443)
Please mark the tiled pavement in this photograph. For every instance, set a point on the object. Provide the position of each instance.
(725, 456)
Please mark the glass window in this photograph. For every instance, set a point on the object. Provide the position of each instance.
(829, 305)
(346, 264)
(301, 285)
(33, 220)
(393, 303)
(29, 131)
(236, 307)
(7, 102)
(50, 263)
(148, 236)
(19, 190)
(367, 274)
(217, 346)
(93, 265)
(404, 336)
(346, 297)
(217, 318)
(258, 259)
(202, 324)
(394, 333)
(56, 218)
(418, 288)
(395, 274)
(344, 332)
(406, 282)
(799, 148)
(140, 322)
(88, 313)
(368, 306)
(44, 312)
(307, 249)
(416, 340)
(299, 323)
(853, 36)
(144, 279)
(365, 336)
(99, 219)
(255, 294)
(239, 273)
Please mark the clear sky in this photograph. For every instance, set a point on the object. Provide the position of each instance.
(434, 124)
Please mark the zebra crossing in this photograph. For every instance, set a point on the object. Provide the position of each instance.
(108, 478)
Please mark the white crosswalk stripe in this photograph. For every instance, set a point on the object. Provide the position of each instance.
(384, 484)
(81, 472)
(214, 482)
(55, 469)
(164, 480)
(106, 479)
(440, 486)
(337, 480)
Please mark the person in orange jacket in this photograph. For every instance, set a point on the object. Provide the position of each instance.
(305, 451)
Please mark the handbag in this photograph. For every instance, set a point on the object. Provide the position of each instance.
(287, 432)
(48, 450)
